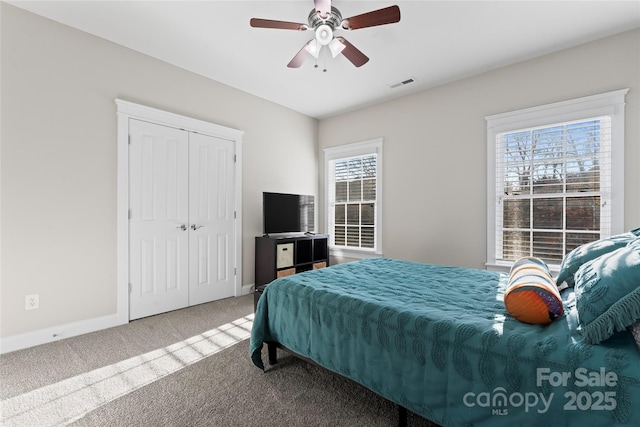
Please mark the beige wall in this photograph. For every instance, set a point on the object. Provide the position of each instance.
(58, 164)
(434, 165)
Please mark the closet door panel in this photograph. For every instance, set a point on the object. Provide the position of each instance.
(211, 202)
(158, 202)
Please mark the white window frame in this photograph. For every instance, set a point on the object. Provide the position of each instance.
(363, 148)
(604, 104)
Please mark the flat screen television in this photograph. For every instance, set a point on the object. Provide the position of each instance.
(287, 213)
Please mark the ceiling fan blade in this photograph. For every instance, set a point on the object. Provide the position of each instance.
(387, 15)
(300, 57)
(323, 7)
(352, 53)
(282, 25)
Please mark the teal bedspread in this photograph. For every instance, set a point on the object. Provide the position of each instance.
(439, 341)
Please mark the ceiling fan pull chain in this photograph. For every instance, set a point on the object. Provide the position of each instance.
(324, 58)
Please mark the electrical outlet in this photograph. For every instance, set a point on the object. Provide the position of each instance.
(32, 302)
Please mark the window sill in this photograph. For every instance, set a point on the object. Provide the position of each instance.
(501, 267)
(353, 253)
(504, 267)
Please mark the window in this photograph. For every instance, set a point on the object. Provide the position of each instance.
(353, 177)
(555, 178)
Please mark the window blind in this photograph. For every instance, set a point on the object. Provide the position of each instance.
(553, 188)
(352, 197)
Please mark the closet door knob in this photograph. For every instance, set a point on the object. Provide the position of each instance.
(182, 227)
(195, 227)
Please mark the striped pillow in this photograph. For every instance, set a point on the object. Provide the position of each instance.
(532, 296)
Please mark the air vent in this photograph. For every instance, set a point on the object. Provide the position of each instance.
(402, 83)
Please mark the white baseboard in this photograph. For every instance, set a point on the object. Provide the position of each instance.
(247, 289)
(57, 333)
(68, 330)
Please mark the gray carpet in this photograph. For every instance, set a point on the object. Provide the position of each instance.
(220, 389)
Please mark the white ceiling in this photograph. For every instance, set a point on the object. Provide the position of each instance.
(435, 41)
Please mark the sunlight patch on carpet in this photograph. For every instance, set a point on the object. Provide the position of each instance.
(70, 399)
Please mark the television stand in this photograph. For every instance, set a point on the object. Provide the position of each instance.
(278, 256)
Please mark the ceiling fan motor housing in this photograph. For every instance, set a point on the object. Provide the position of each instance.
(333, 19)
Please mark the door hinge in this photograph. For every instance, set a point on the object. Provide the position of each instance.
(130, 288)
(129, 139)
(235, 214)
(235, 271)
(129, 214)
(235, 158)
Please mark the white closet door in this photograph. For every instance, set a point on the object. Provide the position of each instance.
(211, 218)
(158, 228)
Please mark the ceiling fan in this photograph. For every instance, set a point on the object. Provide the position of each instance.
(324, 19)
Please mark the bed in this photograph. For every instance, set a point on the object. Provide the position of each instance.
(438, 341)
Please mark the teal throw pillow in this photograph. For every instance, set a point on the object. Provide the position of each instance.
(582, 254)
(608, 293)
(634, 244)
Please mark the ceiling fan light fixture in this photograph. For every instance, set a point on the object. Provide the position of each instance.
(324, 34)
(313, 48)
(336, 47)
